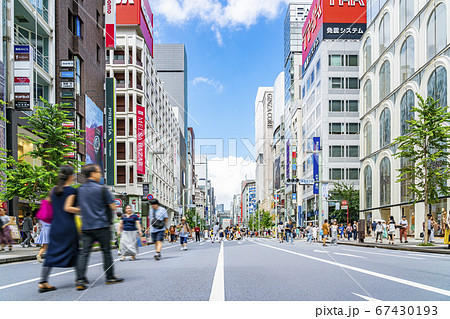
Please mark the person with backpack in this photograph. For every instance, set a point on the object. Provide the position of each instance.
(158, 222)
(97, 205)
(184, 230)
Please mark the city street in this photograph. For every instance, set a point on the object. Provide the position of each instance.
(248, 270)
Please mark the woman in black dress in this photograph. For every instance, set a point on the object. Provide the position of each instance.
(63, 246)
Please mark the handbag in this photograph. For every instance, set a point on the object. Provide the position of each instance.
(157, 223)
(45, 212)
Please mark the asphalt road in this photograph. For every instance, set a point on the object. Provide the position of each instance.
(248, 270)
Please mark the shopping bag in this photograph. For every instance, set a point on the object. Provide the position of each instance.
(139, 242)
(78, 223)
(45, 212)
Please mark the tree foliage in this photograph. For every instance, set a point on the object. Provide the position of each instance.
(193, 219)
(425, 148)
(348, 192)
(53, 143)
(266, 220)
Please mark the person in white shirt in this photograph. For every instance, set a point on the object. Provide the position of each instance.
(379, 232)
(403, 229)
(216, 229)
(315, 230)
(391, 230)
(280, 232)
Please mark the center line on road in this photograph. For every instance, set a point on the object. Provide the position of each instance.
(218, 287)
(350, 255)
(367, 272)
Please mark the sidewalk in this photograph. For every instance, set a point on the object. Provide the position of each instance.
(24, 254)
(438, 248)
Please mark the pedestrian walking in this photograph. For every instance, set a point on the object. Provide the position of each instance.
(355, 230)
(403, 229)
(96, 205)
(130, 230)
(334, 233)
(433, 229)
(348, 231)
(185, 231)
(172, 234)
(197, 233)
(289, 235)
(27, 228)
(379, 232)
(215, 231)
(280, 232)
(205, 234)
(309, 231)
(391, 230)
(43, 239)
(325, 231)
(62, 251)
(373, 227)
(341, 231)
(315, 232)
(5, 230)
(159, 218)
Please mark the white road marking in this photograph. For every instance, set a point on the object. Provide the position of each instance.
(429, 255)
(350, 255)
(319, 251)
(218, 286)
(390, 255)
(239, 243)
(202, 243)
(365, 297)
(368, 272)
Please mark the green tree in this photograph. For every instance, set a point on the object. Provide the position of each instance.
(251, 222)
(348, 192)
(425, 146)
(266, 220)
(53, 145)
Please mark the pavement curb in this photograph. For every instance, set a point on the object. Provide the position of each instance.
(404, 248)
(33, 257)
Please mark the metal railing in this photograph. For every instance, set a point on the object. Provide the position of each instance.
(41, 9)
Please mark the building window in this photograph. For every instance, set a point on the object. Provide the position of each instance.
(120, 127)
(130, 128)
(121, 176)
(353, 151)
(367, 139)
(98, 54)
(336, 151)
(336, 106)
(385, 128)
(384, 33)
(385, 79)
(79, 27)
(367, 96)
(368, 187)
(70, 21)
(385, 182)
(351, 60)
(405, 193)
(367, 54)
(437, 31)
(352, 83)
(77, 75)
(121, 154)
(407, 59)
(352, 128)
(130, 175)
(336, 83)
(406, 105)
(353, 174)
(335, 60)
(437, 85)
(336, 128)
(352, 106)
(336, 174)
(406, 12)
(120, 103)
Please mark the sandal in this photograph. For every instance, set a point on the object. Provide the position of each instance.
(45, 287)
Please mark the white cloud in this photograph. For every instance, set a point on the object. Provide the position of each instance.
(226, 175)
(216, 84)
(233, 14)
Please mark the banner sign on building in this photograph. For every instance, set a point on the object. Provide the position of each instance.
(276, 172)
(94, 133)
(332, 20)
(140, 133)
(23, 77)
(110, 126)
(288, 161)
(269, 111)
(110, 24)
(316, 141)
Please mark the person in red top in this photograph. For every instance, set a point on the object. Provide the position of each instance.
(197, 233)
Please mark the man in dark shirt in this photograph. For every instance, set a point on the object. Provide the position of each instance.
(288, 230)
(197, 233)
(94, 200)
(27, 227)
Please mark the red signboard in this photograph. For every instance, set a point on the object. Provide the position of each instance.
(110, 24)
(140, 132)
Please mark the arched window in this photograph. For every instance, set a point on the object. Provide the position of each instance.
(368, 186)
(407, 58)
(368, 139)
(437, 31)
(367, 96)
(385, 182)
(406, 105)
(384, 33)
(405, 193)
(367, 54)
(385, 128)
(406, 12)
(437, 85)
(385, 79)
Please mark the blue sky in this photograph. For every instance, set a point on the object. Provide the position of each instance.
(233, 48)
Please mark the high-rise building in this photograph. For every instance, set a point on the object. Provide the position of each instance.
(248, 201)
(143, 110)
(192, 182)
(404, 51)
(330, 101)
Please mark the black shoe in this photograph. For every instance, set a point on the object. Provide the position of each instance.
(157, 256)
(114, 280)
(406, 242)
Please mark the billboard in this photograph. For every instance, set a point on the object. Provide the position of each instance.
(94, 133)
(110, 24)
(23, 77)
(110, 127)
(251, 200)
(316, 164)
(140, 133)
(276, 170)
(136, 12)
(332, 20)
